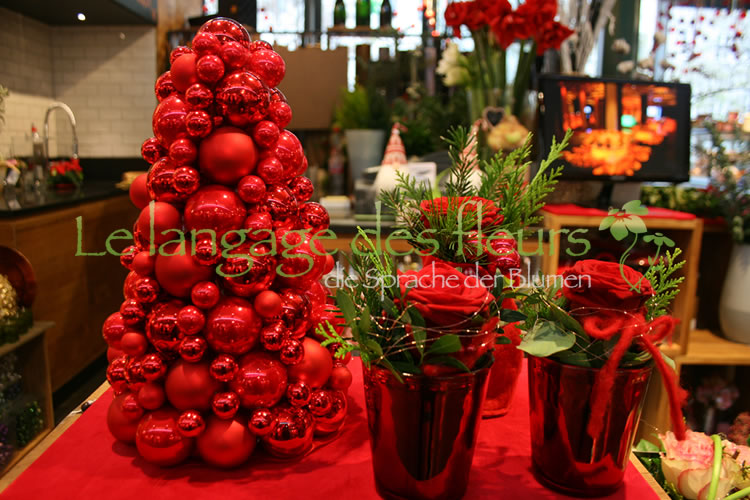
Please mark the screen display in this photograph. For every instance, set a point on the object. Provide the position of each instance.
(622, 130)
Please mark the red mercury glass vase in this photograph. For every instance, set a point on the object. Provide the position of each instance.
(564, 456)
(505, 371)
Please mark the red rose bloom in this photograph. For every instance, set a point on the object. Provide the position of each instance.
(551, 36)
(455, 16)
(509, 28)
(490, 213)
(599, 284)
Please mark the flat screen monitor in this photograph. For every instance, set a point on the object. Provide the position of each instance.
(629, 131)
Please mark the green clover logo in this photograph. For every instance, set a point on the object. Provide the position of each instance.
(622, 222)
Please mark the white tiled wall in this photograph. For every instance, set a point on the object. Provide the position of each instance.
(105, 74)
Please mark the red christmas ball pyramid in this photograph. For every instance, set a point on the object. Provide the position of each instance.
(213, 350)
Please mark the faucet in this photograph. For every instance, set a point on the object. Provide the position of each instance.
(71, 118)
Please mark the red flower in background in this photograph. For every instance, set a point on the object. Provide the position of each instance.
(455, 16)
(537, 12)
(509, 28)
(471, 204)
(551, 36)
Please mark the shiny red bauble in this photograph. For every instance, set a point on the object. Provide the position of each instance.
(292, 435)
(192, 348)
(127, 255)
(227, 155)
(314, 216)
(132, 312)
(169, 119)
(316, 366)
(198, 96)
(302, 188)
(152, 150)
(147, 290)
(183, 152)
(267, 303)
(265, 133)
(121, 425)
(258, 45)
(262, 421)
(273, 335)
(268, 65)
(289, 151)
(206, 43)
(216, 208)
(295, 312)
(117, 374)
(134, 343)
(226, 443)
(190, 386)
(164, 86)
(186, 180)
(183, 71)
(227, 30)
(291, 352)
(190, 320)
(177, 271)
(320, 403)
(223, 368)
(113, 353)
(160, 182)
(153, 366)
(191, 424)
(260, 380)
(165, 217)
(206, 250)
(225, 405)
(242, 98)
(210, 69)
(205, 295)
(334, 419)
(177, 52)
(270, 169)
(162, 329)
(341, 377)
(113, 329)
(128, 287)
(251, 189)
(298, 394)
(281, 113)
(198, 124)
(139, 192)
(249, 270)
(151, 396)
(302, 261)
(134, 374)
(234, 55)
(259, 226)
(280, 203)
(158, 439)
(232, 326)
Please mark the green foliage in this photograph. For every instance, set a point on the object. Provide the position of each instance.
(665, 285)
(364, 108)
(16, 325)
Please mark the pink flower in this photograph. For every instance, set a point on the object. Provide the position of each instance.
(741, 455)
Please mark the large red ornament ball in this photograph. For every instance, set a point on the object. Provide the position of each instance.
(260, 380)
(302, 188)
(289, 151)
(206, 43)
(227, 155)
(205, 295)
(334, 419)
(164, 86)
(210, 68)
(316, 366)
(216, 208)
(160, 182)
(169, 119)
(190, 385)
(232, 327)
(267, 303)
(268, 65)
(198, 96)
(227, 30)
(162, 329)
(292, 435)
(250, 270)
(139, 192)
(151, 396)
(158, 439)
(113, 329)
(251, 189)
(242, 98)
(120, 424)
(165, 217)
(234, 54)
(226, 443)
(177, 271)
(183, 71)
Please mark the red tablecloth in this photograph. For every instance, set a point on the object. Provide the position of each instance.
(87, 463)
(653, 212)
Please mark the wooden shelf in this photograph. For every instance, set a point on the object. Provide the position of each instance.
(19, 454)
(707, 348)
(36, 329)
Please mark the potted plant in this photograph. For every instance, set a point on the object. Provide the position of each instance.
(66, 175)
(363, 116)
(592, 338)
(426, 337)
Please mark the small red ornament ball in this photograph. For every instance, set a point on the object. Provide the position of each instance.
(302, 188)
(270, 169)
(178, 272)
(265, 133)
(169, 119)
(210, 69)
(316, 366)
(226, 443)
(190, 320)
(151, 396)
(225, 404)
(143, 263)
(132, 313)
(251, 272)
(160, 182)
(216, 208)
(206, 43)
(267, 303)
(205, 295)
(190, 423)
(273, 335)
(291, 352)
(164, 86)
(177, 52)
(134, 343)
(289, 151)
(113, 329)
(117, 374)
(183, 71)
(227, 30)
(227, 155)
(120, 424)
(259, 381)
(261, 422)
(147, 290)
(139, 192)
(314, 216)
(190, 385)
(302, 262)
(320, 403)
(186, 180)
(127, 255)
(162, 329)
(242, 98)
(192, 348)
(259, 226)
(341, 377)
(165, 217)
(159, 441)
(298, 394)
(232, 326)
(251, 189)
(198, 124)
(153, 366)
(281, 113)
(223, 368)
(234, 55)
(292, 435)
(198, 96)
(183, 152)
(268, 65)
(334, 419)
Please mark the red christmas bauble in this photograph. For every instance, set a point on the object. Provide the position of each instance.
(242, 98)
(234, 55)
(210, 69)
(315, 368)
(169, 119)
(223, 368)
(207, 252)
(302, 188)
(320, 402)
(143, 263)
(162, 329)
(232, 327)
(334, 419)
(151, 396)
(128, 287)
(302, 261)
(289, 151)
(113, 329)
(268, 304)
(281, 204)
(190, 320)
(190, 386)
(134, 343)
(341, 377)
(120, 425)
(227, 30)
(226, 443)
(192, 348)
(132, 312)
(198, 124)
(273, 335)
(117, 374)
(258, 45)
(205, 295)
(186, 180)
(138, 192)
(164, 86)
(291, 352)
(165, 217)
(262, 421)
(191, 424)
(183, 71)
(152, 150)
(225, 404)
(206, 43)
(147, 290)
(153, 366)
(330, 264)
(216, 208)
(177, 52)
(281, 113)
(298, 394)
(265, 133)
(158, 439)
(259, 226)
(127, 255)
(227, 155)
(259, 381)
(177, 271)
(113, 354)
(198, 96)
(251, 189)
(183, 152)
(134, 374)
(295, 312)
(268, 65)
(160, 182)
(314, 216)
(270, 169)
(292, 435)
(250, 271)
(317, 294)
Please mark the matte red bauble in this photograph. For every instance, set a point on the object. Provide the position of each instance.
(134, 343)
(152, 150)
(251, 271)
(251, 189)
(281, 113)
(205, 295)
(210, 69)
(270, 169)
(225, 404)
(162, 329)
(273, 335)
(113, 353)
(132, 312)
(242, 98)
(206, 43)
(139, 192)
(198, 124)
(259, 381)
(295, 312)
(120, 425)
(223, 368)
(320, 402)
(186, 180)
(267, 303)
(177, 271)
(151, 396)
(289, 151)
(190, 423)
(198, 96)
(227, 30)
(159, 441)
(292, 435)
(177, 52)
(334, 419)
(190, 386)
(259, 226)
(315, 368)
(268, 65)
(117, 374)
(183, 71)
(130, 407)
(113, 329)
(314, 216)
(302, 261)
(147, 290)
(164, 86)
(192, 348)
(216, 208)
(165, 217)
(265, 133)
(261, 422)
(169, 119)
(341, 377)
(160, 182)
(190, 320)
(227, 155)
(298, 394)
(226, 443)
(183, 152)
(143, 263)
(302, 188)
(232, 327)
(291, 352)
(234, 55)
(153, 366)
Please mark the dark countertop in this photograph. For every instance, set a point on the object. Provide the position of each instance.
(15, 202)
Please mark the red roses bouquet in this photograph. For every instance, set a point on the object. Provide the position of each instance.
(66, 173)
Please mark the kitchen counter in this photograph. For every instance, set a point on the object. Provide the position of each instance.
(15, 202)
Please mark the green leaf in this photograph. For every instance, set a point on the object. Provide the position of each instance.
(619, 230)
(648, 238)
(346, 305)
(392, 369)
(646, 446)
(669, 361)
(635, 224)
(546, 339)
(365, 324)
(607, 222)
(406, 367)
(635, 207)
(420, 335)
(512, 316)
(502, 340)
(449, 361)
(374, 347)
(445, 345)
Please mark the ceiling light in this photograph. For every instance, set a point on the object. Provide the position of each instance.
(81, 16)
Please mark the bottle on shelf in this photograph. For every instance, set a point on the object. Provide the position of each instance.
(386, 15)
(38, 162)
(363, 13)
(339, 14)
